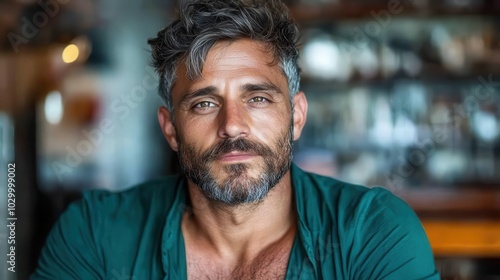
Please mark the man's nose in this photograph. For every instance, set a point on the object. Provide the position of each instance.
(234, 120)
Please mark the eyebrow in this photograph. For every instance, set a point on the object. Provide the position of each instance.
(197, 93)
(265, 86)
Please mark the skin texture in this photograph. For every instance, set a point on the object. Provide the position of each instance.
(241, 94)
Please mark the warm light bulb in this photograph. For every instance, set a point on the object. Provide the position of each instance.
(70, 53)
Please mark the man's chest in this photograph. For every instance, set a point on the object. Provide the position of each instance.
(270, 263)
(265, 267)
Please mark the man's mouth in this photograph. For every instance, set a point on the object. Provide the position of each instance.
(237, 156)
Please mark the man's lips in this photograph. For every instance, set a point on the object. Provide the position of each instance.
(237, 156)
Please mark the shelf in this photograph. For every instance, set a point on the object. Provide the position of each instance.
(473, 238)
(429, 75)
(303, 13)
(459, 222)
(461, 203)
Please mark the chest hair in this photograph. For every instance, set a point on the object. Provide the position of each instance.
(271, 265)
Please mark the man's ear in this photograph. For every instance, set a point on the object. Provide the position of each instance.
(167, 127)
(299, 114)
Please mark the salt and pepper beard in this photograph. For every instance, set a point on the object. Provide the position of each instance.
(238, 188)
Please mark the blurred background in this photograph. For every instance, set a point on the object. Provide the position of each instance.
(402, 94)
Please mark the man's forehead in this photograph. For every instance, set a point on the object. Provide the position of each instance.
(237, 51)
(231, 55)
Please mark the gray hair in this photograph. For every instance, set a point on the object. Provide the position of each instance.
(203, 23)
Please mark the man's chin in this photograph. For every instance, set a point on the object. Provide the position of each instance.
(225, 170)
(238, 191)
(235, 174)
(234, 184)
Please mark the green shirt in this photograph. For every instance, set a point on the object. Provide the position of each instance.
(345, 231)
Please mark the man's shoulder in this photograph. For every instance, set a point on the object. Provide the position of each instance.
(343, 200)
(118, 227)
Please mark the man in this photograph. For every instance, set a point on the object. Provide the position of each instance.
(242, 210)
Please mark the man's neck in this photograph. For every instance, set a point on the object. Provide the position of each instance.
(240, 233)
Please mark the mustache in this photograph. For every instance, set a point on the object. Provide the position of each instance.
(241, 144)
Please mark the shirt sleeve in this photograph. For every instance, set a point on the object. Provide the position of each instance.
(70, 251)
(390, 242)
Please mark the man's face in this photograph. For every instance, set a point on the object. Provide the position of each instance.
(233, 125)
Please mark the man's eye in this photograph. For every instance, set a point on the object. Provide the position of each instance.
(204, 104)
(259, 99)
